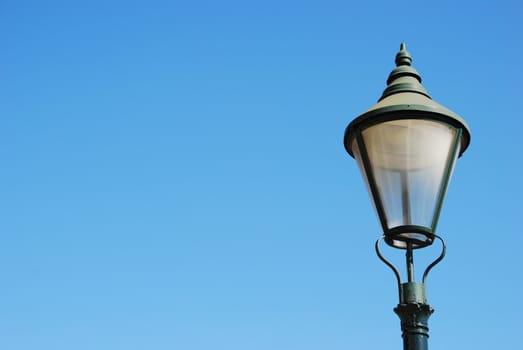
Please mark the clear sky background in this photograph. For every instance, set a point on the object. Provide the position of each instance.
(173, 174)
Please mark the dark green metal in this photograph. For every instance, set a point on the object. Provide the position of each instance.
(372, 182)
(404, 111)
(388, 263)
(413, 309)
(435, 262)
(446, 179)
(394, 233)
(403, 69)
(405, 98)
(414, 313)
(410, 262)
(414, 103)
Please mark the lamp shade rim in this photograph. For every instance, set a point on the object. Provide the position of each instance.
(399, 236)
(406, 111)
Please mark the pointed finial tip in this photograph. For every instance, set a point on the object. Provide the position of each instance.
(403, 57)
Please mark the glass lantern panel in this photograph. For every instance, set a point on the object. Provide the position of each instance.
(409, 160)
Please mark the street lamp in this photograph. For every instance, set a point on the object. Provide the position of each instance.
(406, 146)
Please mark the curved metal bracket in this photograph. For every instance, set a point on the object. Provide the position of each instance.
(435, 262)
(388, 263)
(395, 270)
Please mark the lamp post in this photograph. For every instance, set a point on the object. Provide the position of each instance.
(406, 146)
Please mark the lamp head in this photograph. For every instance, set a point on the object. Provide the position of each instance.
(406, 146)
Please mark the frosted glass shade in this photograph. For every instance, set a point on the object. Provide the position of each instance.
(407, 164)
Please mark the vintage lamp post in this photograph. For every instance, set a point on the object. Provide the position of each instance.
(406, 146)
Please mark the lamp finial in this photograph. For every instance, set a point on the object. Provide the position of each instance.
(404, 78)
(403, 56)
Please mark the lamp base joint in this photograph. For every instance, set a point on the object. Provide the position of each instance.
(414, 324)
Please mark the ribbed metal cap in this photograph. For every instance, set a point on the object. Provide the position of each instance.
(404, 78)
(405, 98)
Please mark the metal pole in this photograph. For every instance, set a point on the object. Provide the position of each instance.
(410, 262)
(413, 310)
(414, 325)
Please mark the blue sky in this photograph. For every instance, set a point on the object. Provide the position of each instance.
(173, 174)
